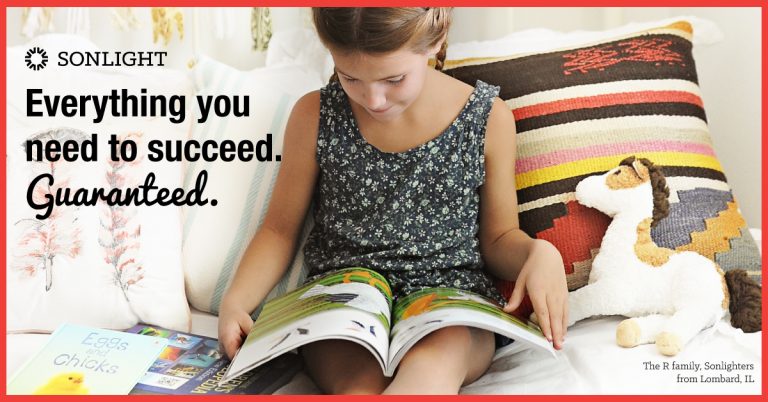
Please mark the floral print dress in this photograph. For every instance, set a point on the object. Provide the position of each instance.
(411, 216)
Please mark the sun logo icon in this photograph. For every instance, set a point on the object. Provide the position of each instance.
(36, 58)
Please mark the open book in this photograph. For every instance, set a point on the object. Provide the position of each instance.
(356, 304)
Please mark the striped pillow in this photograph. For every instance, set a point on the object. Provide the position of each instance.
(581, 110)
(214, 238)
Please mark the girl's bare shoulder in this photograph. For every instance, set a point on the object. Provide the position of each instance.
(447, 97)
(308, 105)
(305, 117)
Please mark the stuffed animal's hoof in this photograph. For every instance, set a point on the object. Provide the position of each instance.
(628, 333)
(668, 343)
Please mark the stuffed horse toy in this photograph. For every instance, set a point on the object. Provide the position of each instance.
(671, 295)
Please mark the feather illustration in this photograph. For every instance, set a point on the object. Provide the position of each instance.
(58, 235)
(120, 231)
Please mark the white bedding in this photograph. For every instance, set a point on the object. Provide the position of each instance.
(590, 363)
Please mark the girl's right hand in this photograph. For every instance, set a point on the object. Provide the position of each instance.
(234, 325)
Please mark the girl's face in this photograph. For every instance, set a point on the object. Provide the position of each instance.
(383, 84)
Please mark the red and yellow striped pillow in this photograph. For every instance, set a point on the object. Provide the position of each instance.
(579, 111)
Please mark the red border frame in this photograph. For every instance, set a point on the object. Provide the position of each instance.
(286, 3)
(350, 3)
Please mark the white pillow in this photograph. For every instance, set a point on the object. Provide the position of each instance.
(215, 238)
(538, 40)
(300, 46)
(144, 279)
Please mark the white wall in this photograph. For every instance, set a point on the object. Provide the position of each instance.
(729, 71)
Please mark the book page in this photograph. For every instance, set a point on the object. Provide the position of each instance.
(352, 304)
(425, 311)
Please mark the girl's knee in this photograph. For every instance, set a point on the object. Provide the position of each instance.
(457, 334)
(444, 360)
(458, 349)
(359, 384)
(444, 343)
(342, 367)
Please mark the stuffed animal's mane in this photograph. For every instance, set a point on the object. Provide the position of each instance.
(659, 186)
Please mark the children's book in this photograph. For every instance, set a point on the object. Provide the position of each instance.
(356, 304)
(80, 360)
(194, 365)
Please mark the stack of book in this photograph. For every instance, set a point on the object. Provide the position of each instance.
(79, 360)
(193, 364)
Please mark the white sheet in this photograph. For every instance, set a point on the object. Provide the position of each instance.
(590, 363)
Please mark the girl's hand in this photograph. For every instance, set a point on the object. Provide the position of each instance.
(234, 325)
(543, 277)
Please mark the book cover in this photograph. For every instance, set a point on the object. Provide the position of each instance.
(193, 365)
(79, 360)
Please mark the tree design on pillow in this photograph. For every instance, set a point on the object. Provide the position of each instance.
(119, 235)
(638, 50)
(42, 240)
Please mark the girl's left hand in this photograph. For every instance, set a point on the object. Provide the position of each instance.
(543, 277)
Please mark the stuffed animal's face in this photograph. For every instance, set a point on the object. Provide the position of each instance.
(622, 188)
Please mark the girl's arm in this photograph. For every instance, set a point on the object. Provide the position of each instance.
(272, 247)
(509, 253)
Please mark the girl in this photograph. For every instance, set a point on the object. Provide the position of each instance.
(412, 174)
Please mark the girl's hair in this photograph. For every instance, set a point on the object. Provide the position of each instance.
(383, 29)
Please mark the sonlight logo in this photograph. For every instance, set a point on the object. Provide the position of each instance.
(36, 58)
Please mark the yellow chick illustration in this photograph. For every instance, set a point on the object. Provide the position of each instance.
(70, 383)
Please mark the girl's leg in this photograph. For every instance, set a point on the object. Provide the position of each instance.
(342, 367)
(443, 361)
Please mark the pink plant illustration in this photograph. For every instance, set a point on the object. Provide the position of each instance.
(58, 235)
(120, 231)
